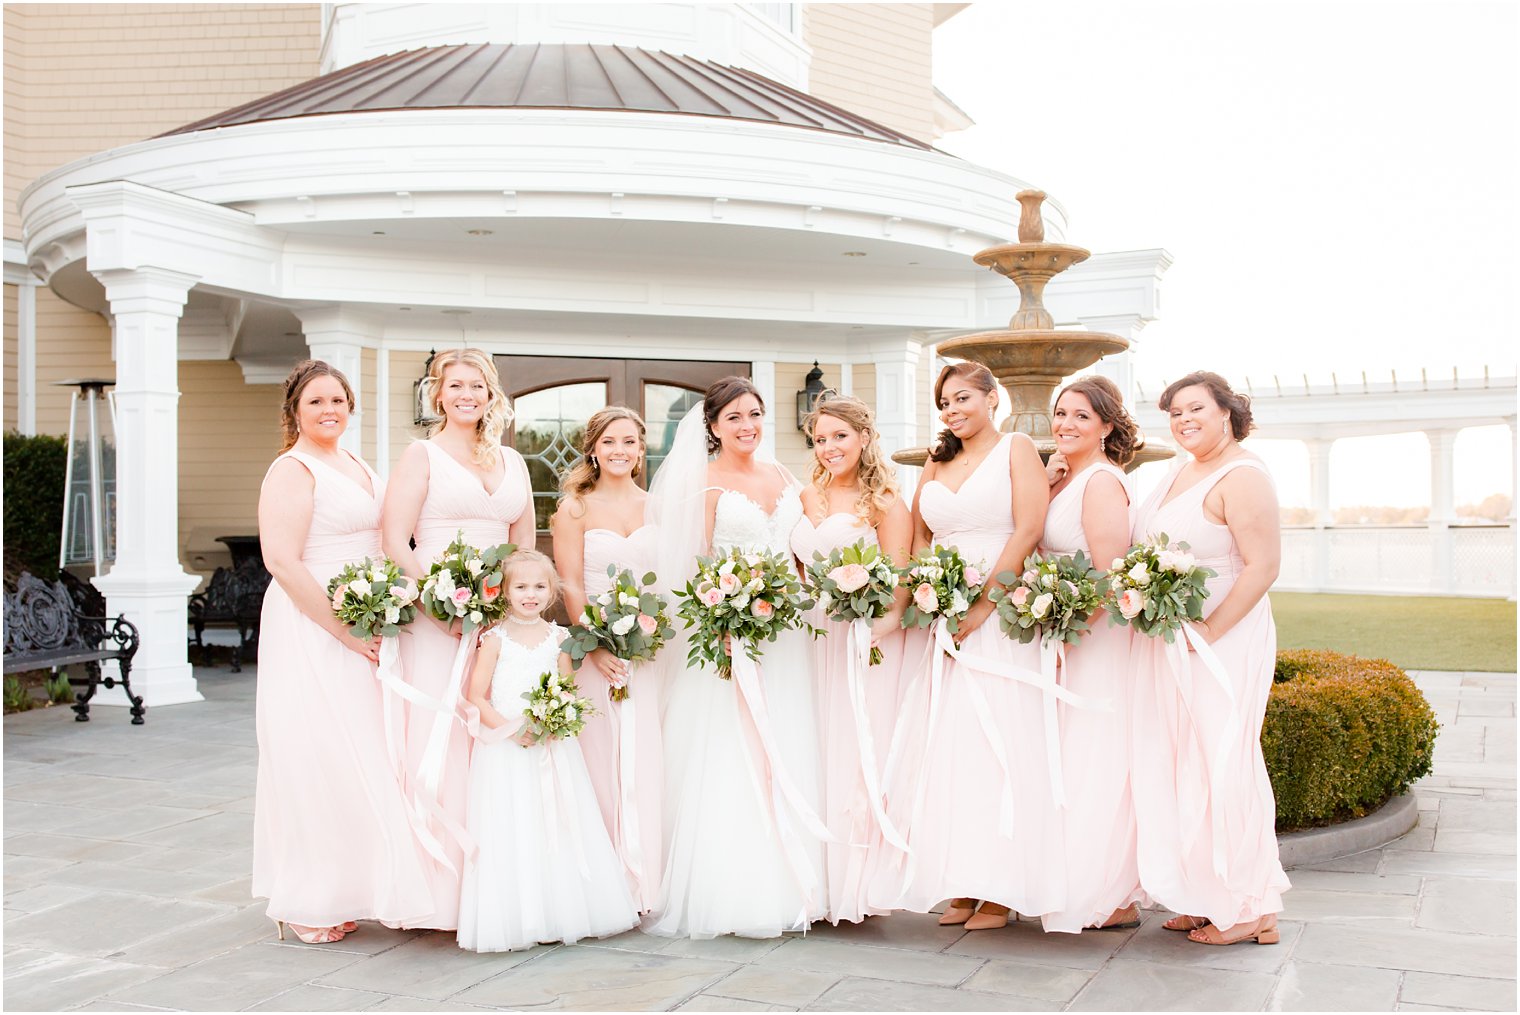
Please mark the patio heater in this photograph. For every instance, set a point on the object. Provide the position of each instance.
(89, 488)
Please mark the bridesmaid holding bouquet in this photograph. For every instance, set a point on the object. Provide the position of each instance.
(1089, 512)
(601, 522)
(459, 479)
(853, 498)
(331, 839)
(1203, 802)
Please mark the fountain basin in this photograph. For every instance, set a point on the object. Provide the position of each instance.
(1013, 259)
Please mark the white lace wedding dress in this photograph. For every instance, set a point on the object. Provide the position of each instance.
(739, 860)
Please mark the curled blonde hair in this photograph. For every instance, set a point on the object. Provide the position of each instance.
(878, 481)
(581, 478)
(498, 415)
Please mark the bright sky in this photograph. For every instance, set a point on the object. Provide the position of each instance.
(1335, 179)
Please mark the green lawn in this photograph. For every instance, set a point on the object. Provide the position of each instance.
(1417, 633)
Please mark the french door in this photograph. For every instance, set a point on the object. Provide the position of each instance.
(553, 397)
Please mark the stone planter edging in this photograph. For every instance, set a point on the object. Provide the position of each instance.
(1382, 826)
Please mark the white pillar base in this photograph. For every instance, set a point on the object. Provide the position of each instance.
(157, 604)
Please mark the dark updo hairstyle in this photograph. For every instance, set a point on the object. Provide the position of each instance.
(1238, 406)
(723, 391)
(304, 373)
(1104, 397)
(978, 376)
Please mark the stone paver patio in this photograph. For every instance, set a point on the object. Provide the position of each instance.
(126, 861)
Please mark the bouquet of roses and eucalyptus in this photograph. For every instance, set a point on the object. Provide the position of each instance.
(373, 598)
(465, 583)
(1052, 599)
(855, 582)
(629, 620)
(944, 585)
(1158, 586)
(741, 597)
(555, 708)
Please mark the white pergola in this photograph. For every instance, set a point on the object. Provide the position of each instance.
(1438, 558)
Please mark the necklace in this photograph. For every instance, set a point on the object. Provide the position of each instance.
(524, 623)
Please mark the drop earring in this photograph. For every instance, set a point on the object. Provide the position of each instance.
(1103, 445)
(596, 466)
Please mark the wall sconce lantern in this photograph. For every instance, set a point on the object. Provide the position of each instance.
(807, 398)
(422, 399)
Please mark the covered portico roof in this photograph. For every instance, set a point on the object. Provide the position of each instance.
(544, 76)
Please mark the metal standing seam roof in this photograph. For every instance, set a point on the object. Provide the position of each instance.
(543, 76)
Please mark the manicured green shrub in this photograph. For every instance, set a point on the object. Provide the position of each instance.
(1342, 736)
(34, 475)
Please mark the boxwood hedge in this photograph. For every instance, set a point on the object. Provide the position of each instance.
(1342, 736)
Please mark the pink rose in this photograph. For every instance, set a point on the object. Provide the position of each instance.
(850, 577)
(1021, 595)
(1131, 603)
(1030, 576)
(762, 609)
(973, 577)
(925, 599)
(728, 583)
(648, 624)
(462, 596)
(710, 597)
(338, 594)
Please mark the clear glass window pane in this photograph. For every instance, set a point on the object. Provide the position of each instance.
(664, 405)
(549, 425)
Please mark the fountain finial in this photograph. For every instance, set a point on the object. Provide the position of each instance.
(1031, 222)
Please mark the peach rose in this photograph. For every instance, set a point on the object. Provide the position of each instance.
(1131, 603)
(924, 598)
(850, 577)
(762, 609)
(648, 624)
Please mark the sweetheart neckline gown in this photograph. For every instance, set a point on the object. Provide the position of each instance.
(728, 867)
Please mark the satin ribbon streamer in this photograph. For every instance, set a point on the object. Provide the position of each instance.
(549, 786)
(631, 844)
(782, 790)
(435, 754)
(857, 661)
(1217, 760)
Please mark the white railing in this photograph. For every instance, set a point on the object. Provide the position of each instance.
(1460, 560)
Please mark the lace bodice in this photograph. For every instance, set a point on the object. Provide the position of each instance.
(518, 668)
(741, 522)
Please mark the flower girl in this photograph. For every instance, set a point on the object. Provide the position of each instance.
(544, 869)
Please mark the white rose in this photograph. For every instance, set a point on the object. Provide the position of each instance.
(727, 567)
(605, 598)
(1139, 575)
(741, 600)
(755, 585)
(1117, 564)
(1041, 605)
(958, 603)
(476, 616)
(377, 575)
(1184, 562)
(570, 714)
(1047, 581)
(392, 614)
(824, 601)
(625, 625)
(360, 587)
(474, 566)
(628, 600)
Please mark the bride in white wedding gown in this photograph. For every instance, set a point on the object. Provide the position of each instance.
(745, 853)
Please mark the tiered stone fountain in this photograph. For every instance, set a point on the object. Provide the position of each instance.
(1030, 358)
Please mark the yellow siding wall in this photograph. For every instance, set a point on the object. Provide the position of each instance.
(9, 422)
(80, 78)
(229, 432)
(863, 382)
(71, 343)
(875, 61)
(369, 401)
(406, 367)
(791, 447)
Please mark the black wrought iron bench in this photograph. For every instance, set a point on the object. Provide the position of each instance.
(46, 629)
(233, 598)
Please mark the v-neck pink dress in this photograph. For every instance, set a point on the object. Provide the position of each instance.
(951, 776)
(1204, 810)
(847, 809)
(1099, 816)
(331, 839)
(632, 812)
(456, 501)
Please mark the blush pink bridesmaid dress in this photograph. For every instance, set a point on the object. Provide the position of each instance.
(1099, 817)
(847, 809)
(331, 838)
(622, 743)
(456, 500)
(1205, 814)
(968, 783)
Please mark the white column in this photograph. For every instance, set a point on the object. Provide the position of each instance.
(763, 374)
(897, 399)
(338, 335)
(1442, 507)
(147, 582)
(1120, 367)
(19, 275)
(1319, 502)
